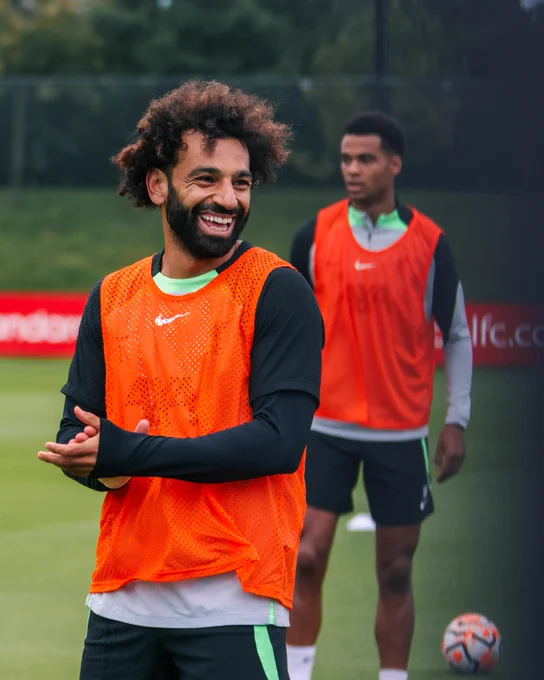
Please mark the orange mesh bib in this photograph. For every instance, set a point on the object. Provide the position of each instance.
(183, 363)
(378, 360)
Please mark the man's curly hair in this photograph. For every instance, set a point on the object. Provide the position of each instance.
(215, 110)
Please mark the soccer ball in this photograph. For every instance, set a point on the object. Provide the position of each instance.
(471, 644)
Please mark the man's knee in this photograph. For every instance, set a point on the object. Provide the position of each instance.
(312, 562)
(395, 576)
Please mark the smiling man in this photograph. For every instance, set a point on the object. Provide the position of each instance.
(383, 273)
(189, 401)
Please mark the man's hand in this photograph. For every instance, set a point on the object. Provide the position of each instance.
(79, 456)
(450, 452)
(111, 482)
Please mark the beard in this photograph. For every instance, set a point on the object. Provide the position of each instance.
(183, 223)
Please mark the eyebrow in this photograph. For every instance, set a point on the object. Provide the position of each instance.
(201, 170)
(368, 154)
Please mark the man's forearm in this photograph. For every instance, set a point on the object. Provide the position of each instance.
(458, 370)
(272, 443)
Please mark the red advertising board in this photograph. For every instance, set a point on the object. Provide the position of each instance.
(39, 324)
(503, 335)
(46, 325)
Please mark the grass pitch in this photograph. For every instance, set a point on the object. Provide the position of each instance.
(467, 560)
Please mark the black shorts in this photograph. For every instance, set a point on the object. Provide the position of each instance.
(395, 475)
(121, 651)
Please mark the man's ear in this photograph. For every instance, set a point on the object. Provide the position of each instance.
(157, 186)
(396, 164)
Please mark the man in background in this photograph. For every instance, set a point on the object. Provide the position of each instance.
(383, 274)
(189, 401)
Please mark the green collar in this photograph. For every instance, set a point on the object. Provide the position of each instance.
(358, 218)
(183, 286)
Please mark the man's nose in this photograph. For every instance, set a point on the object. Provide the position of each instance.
(225, 196)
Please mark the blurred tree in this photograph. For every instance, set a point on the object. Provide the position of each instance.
(50, 37)
(187, 37)
(486, 39)
(428, 38)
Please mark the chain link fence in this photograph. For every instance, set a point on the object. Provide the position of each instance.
(462, 136)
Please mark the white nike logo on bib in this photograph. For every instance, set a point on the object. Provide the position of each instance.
(361, 266)
(160, 321)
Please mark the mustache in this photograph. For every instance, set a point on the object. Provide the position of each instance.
(218, 209)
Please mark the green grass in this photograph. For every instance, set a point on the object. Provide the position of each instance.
(68, 239)
(466, 561)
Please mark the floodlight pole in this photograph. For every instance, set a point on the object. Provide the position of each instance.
(381, 53)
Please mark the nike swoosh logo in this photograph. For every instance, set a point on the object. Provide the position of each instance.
(361, 266)
(424, 499)
(160, 321)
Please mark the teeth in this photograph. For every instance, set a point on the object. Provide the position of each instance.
(219, 220)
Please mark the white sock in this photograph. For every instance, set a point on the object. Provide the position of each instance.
(393, 674)
(300, 662)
